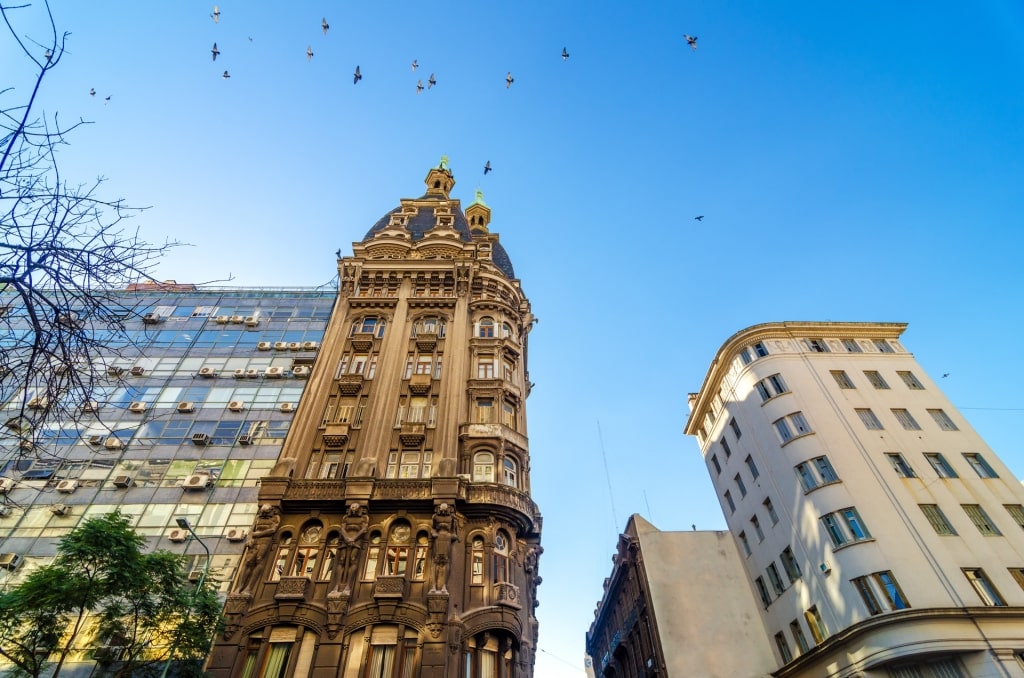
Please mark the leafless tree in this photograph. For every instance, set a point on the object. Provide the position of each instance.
(67, 254)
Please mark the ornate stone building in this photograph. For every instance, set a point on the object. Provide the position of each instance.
(396, 536)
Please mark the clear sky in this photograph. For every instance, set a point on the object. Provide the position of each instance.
(853, 161)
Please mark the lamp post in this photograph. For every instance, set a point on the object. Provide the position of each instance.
(185, 525)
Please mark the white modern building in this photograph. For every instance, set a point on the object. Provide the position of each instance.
(879, 534)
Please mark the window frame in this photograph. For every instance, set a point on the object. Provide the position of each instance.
(980, 466)
(900, 465)
(943, 420)
(938, 520)
(984, 587)
(981, 520)
(843, 380)
(876, 379)
(939, 464)
(910, 380)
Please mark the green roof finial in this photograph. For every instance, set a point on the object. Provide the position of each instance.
(444, 162)
(479, 198)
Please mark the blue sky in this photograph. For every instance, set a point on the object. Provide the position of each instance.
(854, 161)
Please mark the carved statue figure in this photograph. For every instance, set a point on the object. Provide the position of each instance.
(257, 546)
(444, 533)
(353, 529)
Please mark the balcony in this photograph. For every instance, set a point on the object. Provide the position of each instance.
(426, 342)
(493, 431)
(506, 594)
(291, 588)
(335, 435)
(412, 433)
(362, 341)
(350, 384)
(502, 495)
(389, 587)
(419, 384)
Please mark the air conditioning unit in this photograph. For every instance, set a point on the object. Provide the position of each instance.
(252, 373)
(300, 371)
(236, 405)
(123, 481)
(825, 568)
(38, 403)
(5, 510)
(113, 444)
(6, 485)
(186, 406)
(59, 509)
(252, 321)
(90, 406)
(274, 372)
(195, 575)
(18, 425)
(201, 439)
(67, 486)
(222, 320)
(26, 445)
(138, 371)
(208, 372)
(263, 346)
(95, 439)
(236, 534)
(310, 345)
(287, 407)
(10, 561)
(197, 481)
(280, 346)
(294, 346)
(239, 374)
(114, 371)
(245, 440)
(178, 536)
(151, 318)
(137, 407)
(238, 319)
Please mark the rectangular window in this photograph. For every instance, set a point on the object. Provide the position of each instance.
(900, 465)
(876, 380)
(792, 426)
(892, 591)
(775, 579)
(845, 526)
(816, 472)
(940, 465)
(784, 652)
(745, 356)
(869, 419)
(752, 467)
(1018, 575)
(760, 350)
(911, 381)
(798, 636)
(735, 429)
(790, 565)
(769, 387)
(725, 443)
(981, 520)
(783, 429)
(744, 543)
(807, 477)
(770, 508)
(863, 586)
(1016, 512)
(943, 420)
(851, 346)
(938, 520)
(825, 470)
(714, 462)
(816, 624)
(979, 465)
(883, 346)
(762, 591)
(730, 502)
(854, 524)
(984, 588)
(906, 420)
(842, 379)
(817, 345)
(484, 367)
(757, 528)
(739, 483)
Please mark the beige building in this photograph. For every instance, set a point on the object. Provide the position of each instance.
(878, 533)
(396, 536)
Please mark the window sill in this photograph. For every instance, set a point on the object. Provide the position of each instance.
(797, 437)
(851, 543)
(777, 395)
(818, 487)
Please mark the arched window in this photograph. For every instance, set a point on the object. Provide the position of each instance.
(429, 325)
(477, 559)
(282, 556)
(397, 557)
(510, 472)
(499, 564)
(372, 556)
(369, 325)
(485, 329)
(489, 655)
(483, 467)
(308, 551)
(506, 331)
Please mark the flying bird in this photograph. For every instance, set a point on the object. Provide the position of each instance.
(357, 76)
(215, 51)
(309, 52)
(699, 218)
(487, 167)
(226, 75)
(419, 86)
(106, 101)
(945, 375)
(325, 25)
(338, 253)
(691, 40)
(250, 38)
(565, 55)
(92, 91)
(509, 80)
(431, 82)
(415, 64)
(216, 14)
(48, 55)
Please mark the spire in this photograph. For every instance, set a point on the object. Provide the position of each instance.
(440, 179)
(479, 215)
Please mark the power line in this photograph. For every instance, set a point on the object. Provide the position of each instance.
(608, 477)
(564, 661)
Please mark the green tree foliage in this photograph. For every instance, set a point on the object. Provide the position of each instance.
(145, 605)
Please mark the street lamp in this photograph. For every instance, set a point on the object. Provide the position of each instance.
(185, 525)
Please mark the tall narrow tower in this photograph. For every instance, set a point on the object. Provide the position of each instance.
(396, 536)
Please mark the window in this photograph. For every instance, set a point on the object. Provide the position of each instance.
(744, 543)
(792, 426)
(736, 431)
(798, 636)
(397, 555)
(483, 467)
(876, 380)
(883, 346)
(500, 565)
(1016, 512)
(484, 367)
(762, 591)
(714, 462)
(906, 420)
(739, 483)
(1018, 575)
(477, 558)
(979, 465)
(730, 502)
(816, 472)
(783, 647)
(842, 379)
(863, 586)
(900, 465)
(869, 419)
(940, 465)
(484, 411)
(770, 508)
(745, 356)
(752, 467)
(757, 528)
(938, 520)
(943, 420)
(775, 579)
(983, 587)
(760, 350)
(485, 329)
(911, 381)
(816, 624)
(817, 345)
(510, 472)
(725, 443)
(845, 526)
(372, 556)
(851, 346)
(769, 387)
(981, 520)
(790, 565)
(891, 590)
